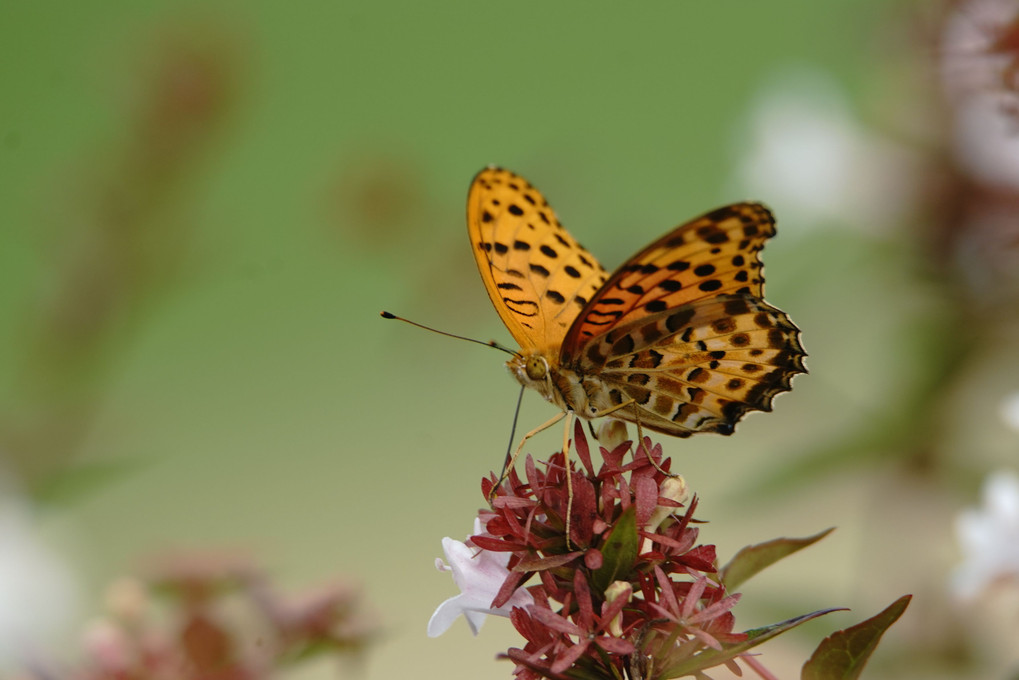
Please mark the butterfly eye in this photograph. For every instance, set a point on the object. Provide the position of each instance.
(536, 368)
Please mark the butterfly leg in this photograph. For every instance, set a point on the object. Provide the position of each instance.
(520, 447)
(643, 445)
(612, 409)
(569, 477)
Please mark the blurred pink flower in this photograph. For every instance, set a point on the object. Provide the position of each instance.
(979, 48)
(986, 141)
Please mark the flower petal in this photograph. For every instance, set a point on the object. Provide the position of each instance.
(444, 616)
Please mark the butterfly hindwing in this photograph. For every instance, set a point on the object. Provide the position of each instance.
(701, 367)
(537, 275)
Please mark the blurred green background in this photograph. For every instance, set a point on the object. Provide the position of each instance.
(204, 206)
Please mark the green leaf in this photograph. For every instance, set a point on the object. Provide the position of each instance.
(754, 558)
(619, 552)
(843, 654)
(711, 657)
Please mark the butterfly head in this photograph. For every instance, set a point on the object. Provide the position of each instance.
(535, 371)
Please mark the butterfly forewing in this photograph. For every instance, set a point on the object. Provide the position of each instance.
(715, 254)
(537, 275)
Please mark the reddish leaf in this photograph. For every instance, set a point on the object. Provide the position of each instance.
(521, 658)
(614, 645)
(533, 563)
(496, 544)
(646, 492)
(754, 558)
(701, 558)
(512, 502)
(508, 587)
(580, 444)
(843, 654)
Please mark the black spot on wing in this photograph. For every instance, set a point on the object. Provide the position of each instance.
(724, 325)
(670, 285)
(656, 306)
(679, 319)
(710, 286)
(623, 345)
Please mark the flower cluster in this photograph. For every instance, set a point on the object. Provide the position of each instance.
(628, 591)
(602, 574)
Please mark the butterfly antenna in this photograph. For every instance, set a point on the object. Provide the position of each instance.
(490, 343)
(513, 432)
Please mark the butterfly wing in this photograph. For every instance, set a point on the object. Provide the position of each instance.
(537, 275)
(682, 329)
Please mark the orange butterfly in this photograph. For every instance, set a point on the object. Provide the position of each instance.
(678, 340)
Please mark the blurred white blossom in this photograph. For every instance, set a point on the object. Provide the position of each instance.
(989, 538)
(805, 153)
(478, 574)
(37, 592)
(1010, 411)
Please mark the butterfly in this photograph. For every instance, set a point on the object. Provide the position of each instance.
(678, 339)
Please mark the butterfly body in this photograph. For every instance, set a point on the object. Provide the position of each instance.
(678, 339)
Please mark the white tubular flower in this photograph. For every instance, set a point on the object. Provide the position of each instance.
(478, 574)
(616, 589)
